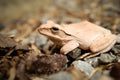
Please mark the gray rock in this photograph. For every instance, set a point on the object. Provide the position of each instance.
(107, 58)
(93, 61)
(118, 38)
(60, 76)
(83, 66)
(70, 73)
(118, 58)
(75, 53)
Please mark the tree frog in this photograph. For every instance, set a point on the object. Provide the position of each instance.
(84, 35)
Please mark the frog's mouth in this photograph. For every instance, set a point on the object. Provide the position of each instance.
(60, 37)
(43, 31)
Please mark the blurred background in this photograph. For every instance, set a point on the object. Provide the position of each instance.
(17, 13)
(59, 9)
(20, 19)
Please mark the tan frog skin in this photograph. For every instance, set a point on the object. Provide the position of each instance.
(84, 35)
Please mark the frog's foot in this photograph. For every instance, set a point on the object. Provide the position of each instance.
(84, 55)
(88, 55)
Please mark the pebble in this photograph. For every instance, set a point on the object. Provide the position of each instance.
(70, 73)
(93, 61)
(37, 78)
(107, 57)
(118, 58)
(83, 66)
(116, 49)
(75, 53)
(118, 38)
(60, 76)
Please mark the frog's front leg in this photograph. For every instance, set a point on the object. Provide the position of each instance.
(71, 45)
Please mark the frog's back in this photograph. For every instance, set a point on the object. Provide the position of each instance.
(85, 28)
(86, 32)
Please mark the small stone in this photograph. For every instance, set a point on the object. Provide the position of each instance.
(37, 78)
(118, 58)
(70, 74)
(60, 76)
(118, 38)
(116, 49)
(93, 61)
(75, 53)
(107, 58)
(83, 66)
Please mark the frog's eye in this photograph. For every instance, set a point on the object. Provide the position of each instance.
(54, 29)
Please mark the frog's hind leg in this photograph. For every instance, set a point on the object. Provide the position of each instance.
(96, 51)
(103, 45)
(103, 50)
(84, 55)
(90, 55)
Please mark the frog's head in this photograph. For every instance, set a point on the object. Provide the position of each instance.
(54, 31)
